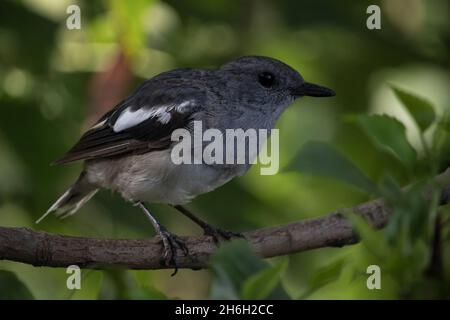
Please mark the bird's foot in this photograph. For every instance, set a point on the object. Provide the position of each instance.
(219, 235)
(171, 243)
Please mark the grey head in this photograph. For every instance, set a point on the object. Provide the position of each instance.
(263, 81)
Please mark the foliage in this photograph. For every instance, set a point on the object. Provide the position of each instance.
(389, 134)
(12, 287)
(238, 273)
(319, 158)
(404, 249)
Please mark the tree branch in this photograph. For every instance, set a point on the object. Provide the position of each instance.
(333, 230)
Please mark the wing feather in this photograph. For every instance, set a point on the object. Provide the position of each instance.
(146, 121)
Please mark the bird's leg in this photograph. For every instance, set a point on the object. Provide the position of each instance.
(208, 229)
(170, 241)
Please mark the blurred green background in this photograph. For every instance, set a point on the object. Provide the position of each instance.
(55, 82)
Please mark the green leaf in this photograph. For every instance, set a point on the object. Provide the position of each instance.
(390, 189)
(12, 288)
(324, 276)
(420, 109)
(411, 215)
(142, 287)
(321, 159)
(91, 284)
(375, 243)
(445, 121)
(389, 134)
(232, 265)
(261, 284)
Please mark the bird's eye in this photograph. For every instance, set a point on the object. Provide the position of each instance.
(266, 79)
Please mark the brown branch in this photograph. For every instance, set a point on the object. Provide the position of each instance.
(333, 230)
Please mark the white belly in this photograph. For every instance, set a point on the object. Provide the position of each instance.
(153, 178)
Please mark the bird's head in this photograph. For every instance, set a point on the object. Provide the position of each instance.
(266, 81)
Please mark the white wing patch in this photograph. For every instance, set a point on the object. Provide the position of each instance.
(130, 118)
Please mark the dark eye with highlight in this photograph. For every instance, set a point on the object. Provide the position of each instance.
(266, 79)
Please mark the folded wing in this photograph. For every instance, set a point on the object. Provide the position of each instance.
(142, 123)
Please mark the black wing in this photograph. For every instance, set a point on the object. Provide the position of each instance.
(141, 123)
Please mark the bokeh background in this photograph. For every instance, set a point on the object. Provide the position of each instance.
(55, 82)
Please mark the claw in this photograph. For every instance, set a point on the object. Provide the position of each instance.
(171, 243)
(219, 234)
(209, 230)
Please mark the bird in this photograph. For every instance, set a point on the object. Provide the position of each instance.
(128, 150)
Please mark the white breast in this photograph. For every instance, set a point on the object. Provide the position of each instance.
(153, 178)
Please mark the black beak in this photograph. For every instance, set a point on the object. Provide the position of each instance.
(313, 90)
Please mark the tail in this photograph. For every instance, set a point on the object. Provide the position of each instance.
(72, 200)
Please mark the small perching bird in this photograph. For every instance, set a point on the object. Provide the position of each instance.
(129, 149)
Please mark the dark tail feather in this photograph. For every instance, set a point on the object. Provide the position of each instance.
(72, 200)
